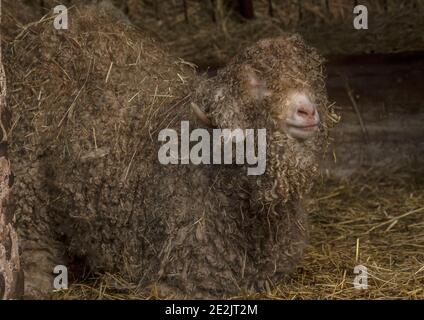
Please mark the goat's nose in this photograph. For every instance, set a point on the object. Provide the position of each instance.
(306, 111)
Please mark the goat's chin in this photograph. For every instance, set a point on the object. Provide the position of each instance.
(291, 170)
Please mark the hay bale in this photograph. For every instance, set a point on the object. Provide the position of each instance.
(88, 104)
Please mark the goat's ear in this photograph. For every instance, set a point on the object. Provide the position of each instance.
(255, 85)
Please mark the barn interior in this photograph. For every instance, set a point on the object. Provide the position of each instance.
(368, 206)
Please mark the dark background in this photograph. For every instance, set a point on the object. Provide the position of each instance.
(375, 76)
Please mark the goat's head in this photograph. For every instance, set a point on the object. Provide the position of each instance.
(277, 84)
